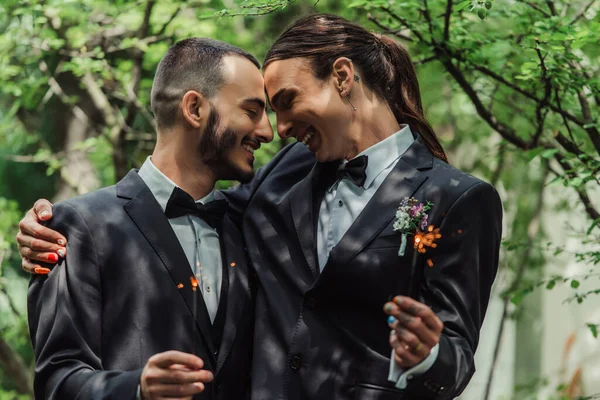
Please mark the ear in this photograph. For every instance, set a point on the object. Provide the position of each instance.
(195, 108)
(343, 75)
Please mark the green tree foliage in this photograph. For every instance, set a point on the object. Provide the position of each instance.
(512, 87)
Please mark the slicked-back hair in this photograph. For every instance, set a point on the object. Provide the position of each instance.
(190, 64)
(383, 65)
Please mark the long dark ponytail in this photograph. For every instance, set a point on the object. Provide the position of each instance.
(385, 66)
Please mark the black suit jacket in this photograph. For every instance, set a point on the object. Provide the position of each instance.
(324, 335)
(124, 294)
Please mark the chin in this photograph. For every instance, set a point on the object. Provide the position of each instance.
(246, 176)
(322, 156)
(242, 174)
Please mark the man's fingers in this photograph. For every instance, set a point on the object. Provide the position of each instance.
(43, 209)
(416, 346)
(30, 225)
(50, 258)
(414, 324)
(40, 245)
(164, 360)
(402, 354)
(179, 377)
(29, 266)
(167, 391)
(420, 310)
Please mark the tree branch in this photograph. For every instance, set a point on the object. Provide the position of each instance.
(540, 115)
(551, 7)
(425, 60)
(486, 71)
(447, 15)
(163, 29)
(403, 22)
(568, 145)
(505, 131)
(592, 131)
(388, 30)
(582, 12)
(428, 19)
(581, 191)
(535, 7)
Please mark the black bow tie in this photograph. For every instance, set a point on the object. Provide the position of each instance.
(180, 203)
(355, 170)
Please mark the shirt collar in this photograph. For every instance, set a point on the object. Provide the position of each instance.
(386, 152)
(161, 186)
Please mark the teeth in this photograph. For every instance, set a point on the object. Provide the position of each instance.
(249, 148)
(307, 138)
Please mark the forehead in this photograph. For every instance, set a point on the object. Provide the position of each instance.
(282, 74)
(242, 77)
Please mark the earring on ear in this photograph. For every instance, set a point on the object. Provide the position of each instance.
(347, 96)
(356, 78)
(348, 100)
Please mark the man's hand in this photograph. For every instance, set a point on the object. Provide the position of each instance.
(173, 375)
(38, 243)
(415, 330)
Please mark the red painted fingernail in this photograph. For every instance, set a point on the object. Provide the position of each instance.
(52, 257)
(41, 271)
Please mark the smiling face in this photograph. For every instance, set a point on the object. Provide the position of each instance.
(237, 122)
(309, 109)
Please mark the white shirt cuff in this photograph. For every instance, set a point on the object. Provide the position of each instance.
(400, 376)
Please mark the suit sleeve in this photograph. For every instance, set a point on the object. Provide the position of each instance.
(65, 322)
(458, 287)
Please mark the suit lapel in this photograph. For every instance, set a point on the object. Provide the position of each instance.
(404, 179)
(301, 207)
(148, 216)
(238, 297)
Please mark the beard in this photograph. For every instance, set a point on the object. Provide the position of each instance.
(215, 147)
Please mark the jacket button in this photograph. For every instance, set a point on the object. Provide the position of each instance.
(295, 363)
(311, 302)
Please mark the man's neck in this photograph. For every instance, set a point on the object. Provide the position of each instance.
(186, 171)
(376, 122)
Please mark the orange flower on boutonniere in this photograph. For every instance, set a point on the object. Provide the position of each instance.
(412, 219)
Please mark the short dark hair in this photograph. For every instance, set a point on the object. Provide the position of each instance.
(190, 64)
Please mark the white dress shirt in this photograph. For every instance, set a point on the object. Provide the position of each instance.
(342, 204)
(200, 242)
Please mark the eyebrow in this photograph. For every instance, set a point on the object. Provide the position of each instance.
(256, 100)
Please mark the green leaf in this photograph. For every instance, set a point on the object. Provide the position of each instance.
(549, 153)
(574, 284)
(461, 6)
(529, 66)
(594, 329)
(551, 284)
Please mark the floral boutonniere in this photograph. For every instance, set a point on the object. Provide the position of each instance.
(411, 219)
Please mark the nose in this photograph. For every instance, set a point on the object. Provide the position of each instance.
(264, 133)
(283, 126)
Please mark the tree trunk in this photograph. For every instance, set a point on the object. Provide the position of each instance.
(15, 369)
(77, 173)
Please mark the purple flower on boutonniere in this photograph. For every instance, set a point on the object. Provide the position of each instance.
(411, 217)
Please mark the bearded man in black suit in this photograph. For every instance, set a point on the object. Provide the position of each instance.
(155, 296)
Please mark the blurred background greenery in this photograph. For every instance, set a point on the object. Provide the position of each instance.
(511, 87)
